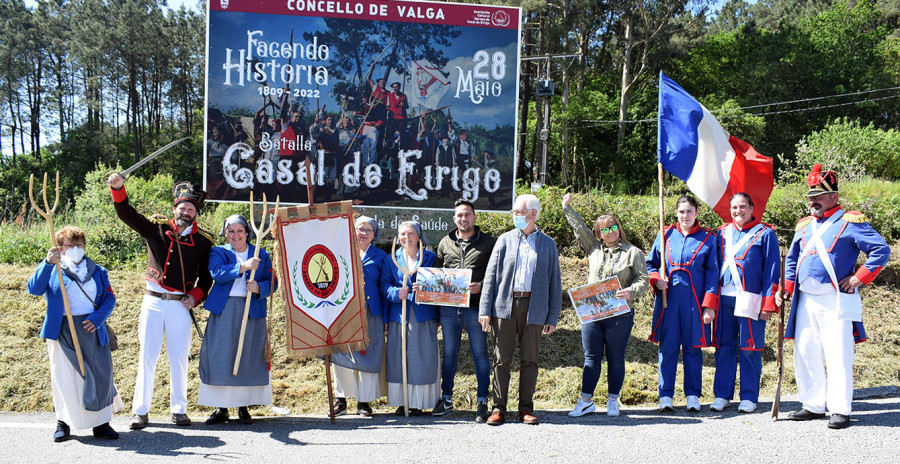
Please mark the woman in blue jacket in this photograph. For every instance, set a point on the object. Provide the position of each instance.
(358, 374)
(230, 266)
(87, 401)
(749, 268)
(421, 325)
(691, 281)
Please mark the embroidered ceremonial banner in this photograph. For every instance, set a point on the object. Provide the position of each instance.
(320, 274)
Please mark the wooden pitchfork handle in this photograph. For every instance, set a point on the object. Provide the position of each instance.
(260, 232)
(406, 273)
(47, 213)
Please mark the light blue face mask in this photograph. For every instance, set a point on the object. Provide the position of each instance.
(521, 222)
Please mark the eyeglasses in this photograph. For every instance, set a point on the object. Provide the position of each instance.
(70, 245)
(365, 231)
(520, 212)
(609, 229)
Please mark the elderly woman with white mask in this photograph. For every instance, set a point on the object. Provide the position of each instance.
(89, 400)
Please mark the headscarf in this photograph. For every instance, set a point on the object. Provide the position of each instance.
(372, 222)
(237, 219)
(418, 228)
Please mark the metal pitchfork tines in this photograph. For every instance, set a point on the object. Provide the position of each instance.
(259, 231)
(47, 213)
(406, 273)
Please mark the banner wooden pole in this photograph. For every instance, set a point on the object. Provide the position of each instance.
(47, 213)
(662, 232)
(403, 315)
(779, 360)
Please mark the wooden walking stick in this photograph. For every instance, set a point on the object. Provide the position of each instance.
(779, 361)
(47, 213)
(406, 273)
(260, 232)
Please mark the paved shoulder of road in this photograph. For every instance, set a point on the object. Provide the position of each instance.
(639, 435)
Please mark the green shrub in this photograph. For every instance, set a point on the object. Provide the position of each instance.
(854, 150)
(28, 246)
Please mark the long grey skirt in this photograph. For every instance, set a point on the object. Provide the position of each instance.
(99, 389)
(219, 348)
(369, 359)
(421, 351)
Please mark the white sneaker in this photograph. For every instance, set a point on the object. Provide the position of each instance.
(693, 403)
(666, 404)
(612, 407)
(582, 408)
(719, 405)
(747, 406)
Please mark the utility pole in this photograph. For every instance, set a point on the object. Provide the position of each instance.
(544, 89)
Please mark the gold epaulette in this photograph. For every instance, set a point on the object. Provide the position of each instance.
(209, 236)
(855, 217)
(159, 219)
(803, 222)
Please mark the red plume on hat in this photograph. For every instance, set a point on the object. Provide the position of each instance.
(821, 182)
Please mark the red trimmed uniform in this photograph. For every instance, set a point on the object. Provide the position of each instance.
(167, 253)
(822, 335)
(692, 269)
(741, 339)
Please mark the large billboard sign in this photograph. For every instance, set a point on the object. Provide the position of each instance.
(399, 104)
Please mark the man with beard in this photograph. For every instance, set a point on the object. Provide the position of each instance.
(465, 247)
(177, 279)
(826, 311)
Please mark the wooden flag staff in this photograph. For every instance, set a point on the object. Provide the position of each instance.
(662, 233)
(47, 213)
(260, 232)
(406, 273)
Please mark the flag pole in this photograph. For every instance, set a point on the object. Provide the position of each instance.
(662, 232)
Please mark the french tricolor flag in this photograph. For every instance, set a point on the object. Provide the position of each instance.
(695, 148)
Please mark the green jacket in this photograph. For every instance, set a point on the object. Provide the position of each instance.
(473, 254)
(624, 261)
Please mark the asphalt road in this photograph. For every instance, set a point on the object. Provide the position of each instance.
(640, 435)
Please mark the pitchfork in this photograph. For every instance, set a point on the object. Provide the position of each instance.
(260, 232)
(47, 213)
(406, 273)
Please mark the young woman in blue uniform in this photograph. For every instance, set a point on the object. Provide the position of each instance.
(749, 262)
(691, 283)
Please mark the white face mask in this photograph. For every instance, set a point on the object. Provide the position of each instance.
(74, 254)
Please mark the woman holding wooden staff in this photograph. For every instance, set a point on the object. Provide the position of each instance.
(87, 401)
(750, 270)
(421, 325)
(610, 254)
(682, 325)
(358, 374)
(231, 266)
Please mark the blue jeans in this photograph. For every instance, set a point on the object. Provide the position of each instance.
(452, 322)
(609, 336)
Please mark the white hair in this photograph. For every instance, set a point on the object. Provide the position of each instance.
(531, 203)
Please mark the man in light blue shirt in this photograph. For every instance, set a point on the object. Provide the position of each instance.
(516, 306)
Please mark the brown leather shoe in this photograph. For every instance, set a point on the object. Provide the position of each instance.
(497, 418)
(527, 417)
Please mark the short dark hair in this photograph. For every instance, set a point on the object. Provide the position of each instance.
(744, 196)
(689, 200)
(463, 201)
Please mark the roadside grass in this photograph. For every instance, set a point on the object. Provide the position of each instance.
(299, 385)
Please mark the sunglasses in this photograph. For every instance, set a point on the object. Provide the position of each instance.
(609, 229)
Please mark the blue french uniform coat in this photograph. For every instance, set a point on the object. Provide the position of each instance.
(850, 235)
(392, 280)
(758, 264)
(224, 268)
(692, 260)
(44, 282)
(373, 262)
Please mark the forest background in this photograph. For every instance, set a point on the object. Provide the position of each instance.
(88, 86)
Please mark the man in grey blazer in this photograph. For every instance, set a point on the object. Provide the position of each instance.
(521, 297)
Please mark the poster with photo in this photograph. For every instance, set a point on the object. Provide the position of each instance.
(597, 301)
(443, 286)
(399, 104)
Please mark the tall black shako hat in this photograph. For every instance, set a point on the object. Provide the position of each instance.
(185, 191)
(820, 182)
